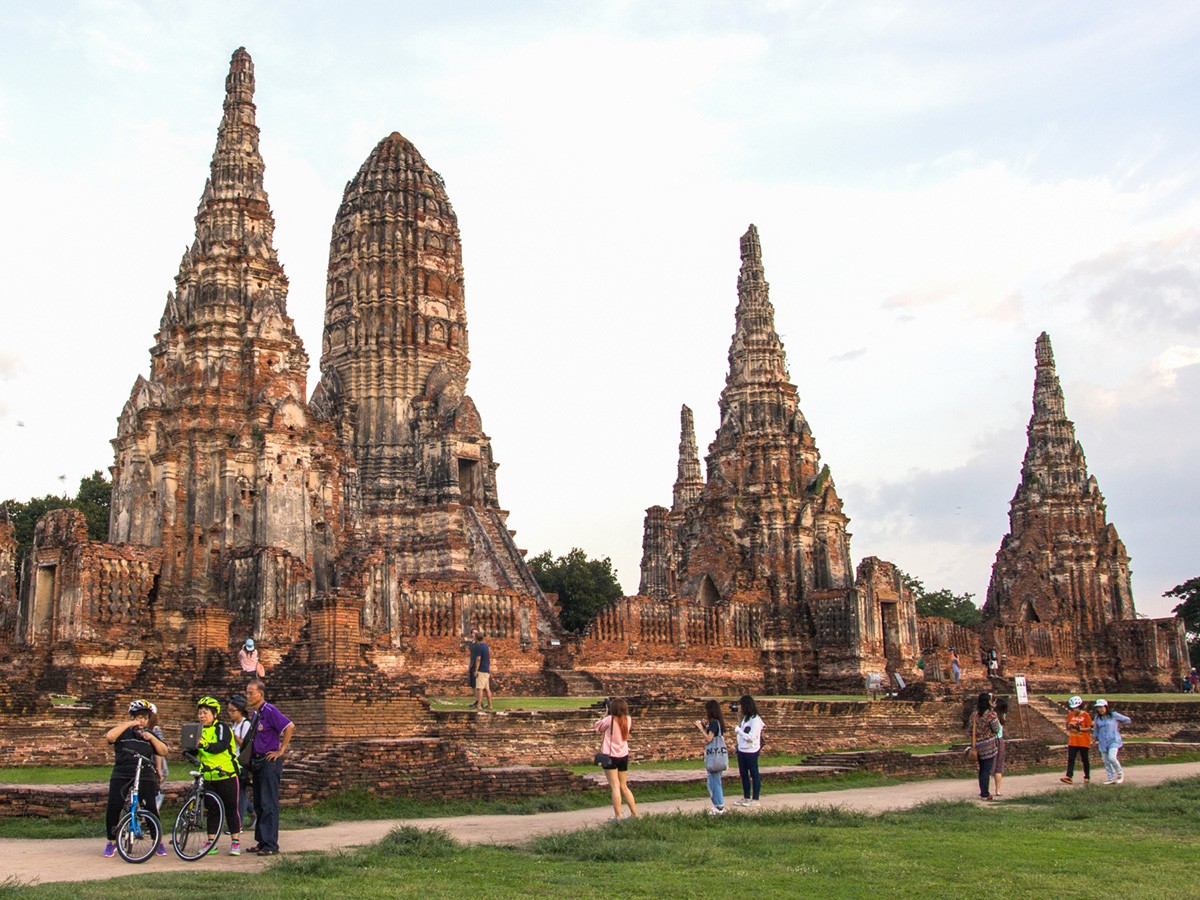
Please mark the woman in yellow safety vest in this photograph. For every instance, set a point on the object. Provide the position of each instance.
(217, 753)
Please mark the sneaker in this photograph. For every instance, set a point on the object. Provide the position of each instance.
(1120, 779)
(212, 848)
(1066, 779)
(1110, 781)
(110, 848)
(717, 811)
(745, 801)
(1087, 780)
(235, 849)
(161, 849)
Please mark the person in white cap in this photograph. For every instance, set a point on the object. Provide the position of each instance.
(1107, 732)
(248, 659)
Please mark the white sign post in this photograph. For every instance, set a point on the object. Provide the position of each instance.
(1022, 690)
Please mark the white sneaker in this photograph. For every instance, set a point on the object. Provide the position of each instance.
(717, 811)
(1120, 779)
(745, 801)
(1110, 782)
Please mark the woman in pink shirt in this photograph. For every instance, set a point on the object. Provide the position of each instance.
(615, 729)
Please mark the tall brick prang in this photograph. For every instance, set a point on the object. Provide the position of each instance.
(216, 460)
(1061, 576)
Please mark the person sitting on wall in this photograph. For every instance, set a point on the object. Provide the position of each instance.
(248, 660)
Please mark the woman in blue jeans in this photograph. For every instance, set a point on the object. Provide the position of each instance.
(749, 745)
(712, 728)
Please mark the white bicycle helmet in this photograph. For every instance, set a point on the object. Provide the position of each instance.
(1075, 702)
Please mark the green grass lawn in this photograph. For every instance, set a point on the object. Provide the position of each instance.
(1129, 698)
(1052, 845)
(465, 702)
(517, 702)
(54, 775)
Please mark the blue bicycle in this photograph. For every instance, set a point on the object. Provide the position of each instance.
(138, 832)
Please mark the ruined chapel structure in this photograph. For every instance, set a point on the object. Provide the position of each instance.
(358, 535)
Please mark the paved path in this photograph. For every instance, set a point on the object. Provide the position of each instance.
(80, 860)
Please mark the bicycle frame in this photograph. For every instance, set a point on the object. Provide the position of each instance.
(131, 804)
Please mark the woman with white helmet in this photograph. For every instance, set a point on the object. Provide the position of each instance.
(1079, 740)
(130, 739)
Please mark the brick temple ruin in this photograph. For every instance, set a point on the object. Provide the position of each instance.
(357, 533)
(1060, 605)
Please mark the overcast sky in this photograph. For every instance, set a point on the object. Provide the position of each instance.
(934, 185)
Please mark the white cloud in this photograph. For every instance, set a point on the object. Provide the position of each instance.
(1168, 363)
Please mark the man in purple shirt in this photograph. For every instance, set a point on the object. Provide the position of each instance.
(272, 733)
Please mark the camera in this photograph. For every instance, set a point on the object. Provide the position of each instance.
(735, 707)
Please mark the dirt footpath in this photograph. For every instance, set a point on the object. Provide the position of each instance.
(41, 861)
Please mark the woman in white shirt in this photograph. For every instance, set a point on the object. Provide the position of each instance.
(749, 744)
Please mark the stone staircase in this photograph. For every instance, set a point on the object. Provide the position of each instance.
(1043, 719)
(573, 683)
(844, 761)
(509, 563)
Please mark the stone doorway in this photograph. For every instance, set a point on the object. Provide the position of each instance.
(889, 614)
(43, 604)
(470, 489)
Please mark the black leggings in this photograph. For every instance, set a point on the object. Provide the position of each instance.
(1072, 752)
(118, 787)
(227, 790)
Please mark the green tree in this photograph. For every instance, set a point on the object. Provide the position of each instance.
(1189, 612)
(93, 500)
(958, 608)
(584, 586)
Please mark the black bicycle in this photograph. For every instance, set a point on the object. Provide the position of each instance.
(138, 831)
(192, 825)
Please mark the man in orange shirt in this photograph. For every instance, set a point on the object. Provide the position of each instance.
(1079, 739)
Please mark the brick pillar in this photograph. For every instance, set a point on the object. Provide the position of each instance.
(335, 631)
(208, 632)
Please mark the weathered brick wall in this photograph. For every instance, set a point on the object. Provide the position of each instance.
(420, 768)
(663, 729)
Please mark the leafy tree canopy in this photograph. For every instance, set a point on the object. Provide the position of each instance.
(958, 608)
(1189, 611)
(584, 586)
(92, 499)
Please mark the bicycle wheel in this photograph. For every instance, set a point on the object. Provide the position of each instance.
(190, 837)
(137, 836)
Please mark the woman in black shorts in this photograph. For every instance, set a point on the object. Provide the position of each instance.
(615, 729)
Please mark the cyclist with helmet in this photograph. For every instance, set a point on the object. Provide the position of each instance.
(217, 753)
(130, 739)
(1079, 739)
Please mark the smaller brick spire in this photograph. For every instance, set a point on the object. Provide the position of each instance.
(689, 483)
(756, 355)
